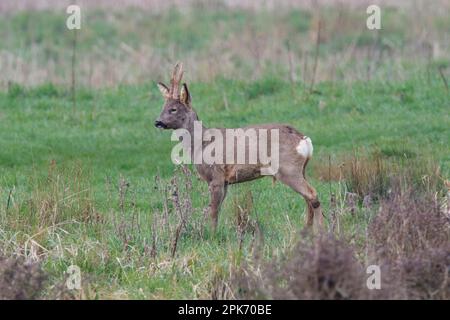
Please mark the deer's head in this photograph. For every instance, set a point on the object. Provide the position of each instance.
(177, 111)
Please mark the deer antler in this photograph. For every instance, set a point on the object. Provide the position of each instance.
(177, 74)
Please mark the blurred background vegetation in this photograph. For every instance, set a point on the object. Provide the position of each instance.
(89, 181)
(138, 41)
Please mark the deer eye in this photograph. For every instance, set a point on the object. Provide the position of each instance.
(173, 110)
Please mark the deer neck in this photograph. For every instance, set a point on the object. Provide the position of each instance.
(189, 125)
(193, 125)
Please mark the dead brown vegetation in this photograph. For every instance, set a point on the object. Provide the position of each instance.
(408, 238)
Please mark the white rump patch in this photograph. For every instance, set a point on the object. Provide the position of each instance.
(305, 147)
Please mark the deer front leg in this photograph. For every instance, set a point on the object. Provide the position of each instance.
(217, 190)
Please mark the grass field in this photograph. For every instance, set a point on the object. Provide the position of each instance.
(92, 184)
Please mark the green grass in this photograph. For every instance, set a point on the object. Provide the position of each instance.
(64, 170)
(132, 45)
(110, 135)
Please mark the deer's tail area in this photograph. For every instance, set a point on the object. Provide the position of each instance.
(304, 167)
(305, 149)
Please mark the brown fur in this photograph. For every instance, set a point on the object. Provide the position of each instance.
(178, 113)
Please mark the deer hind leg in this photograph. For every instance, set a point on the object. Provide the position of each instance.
(298, 183)
(217, 192)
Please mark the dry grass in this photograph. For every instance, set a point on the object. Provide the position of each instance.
(322, 269)
(54, 204)
(248, 53)
(60, 208)
(409, 238)
(374, 174)
(20, 280)
(408, 223)
(405, 205)
(157, 5)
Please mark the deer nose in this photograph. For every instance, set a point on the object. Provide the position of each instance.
(159, 124)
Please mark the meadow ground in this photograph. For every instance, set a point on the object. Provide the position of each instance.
(91, 183)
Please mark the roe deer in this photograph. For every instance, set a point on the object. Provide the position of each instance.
(294, 152)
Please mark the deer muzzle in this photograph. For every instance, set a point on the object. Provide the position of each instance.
(160, 125)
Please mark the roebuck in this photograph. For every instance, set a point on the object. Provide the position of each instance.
(294, 151)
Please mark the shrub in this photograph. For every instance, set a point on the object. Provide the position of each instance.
(20, 280)
(407, 223)
(409, 239)
(323, 268)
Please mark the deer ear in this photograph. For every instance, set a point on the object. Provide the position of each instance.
(185, 96)
(164, 90)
